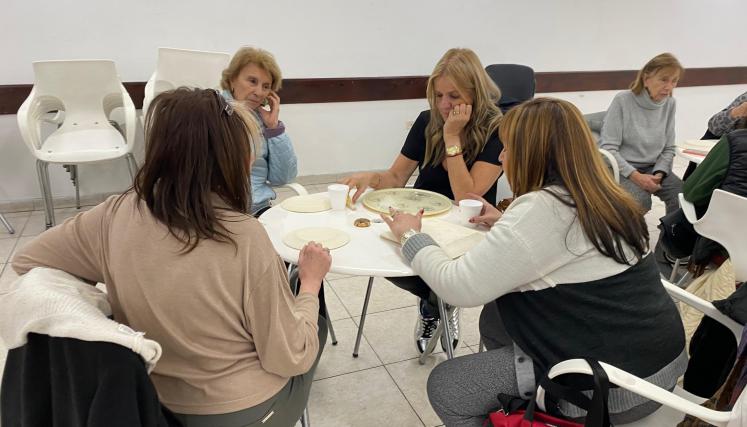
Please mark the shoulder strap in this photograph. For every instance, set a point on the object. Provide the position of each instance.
(597, 410)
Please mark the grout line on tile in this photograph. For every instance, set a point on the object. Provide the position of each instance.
(404, 395)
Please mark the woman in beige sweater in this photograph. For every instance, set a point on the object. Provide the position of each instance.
(184, 261)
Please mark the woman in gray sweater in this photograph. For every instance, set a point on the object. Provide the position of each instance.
(639, 131)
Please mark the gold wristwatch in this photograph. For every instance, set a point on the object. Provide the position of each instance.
(406, 235)
(453, 150)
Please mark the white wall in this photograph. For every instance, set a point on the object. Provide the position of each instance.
(328, 38)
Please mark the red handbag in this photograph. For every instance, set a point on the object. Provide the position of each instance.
(517, 419)
(597, 410)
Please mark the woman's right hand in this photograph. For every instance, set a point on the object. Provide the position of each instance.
(361, 181)
(650, 183)
(313, 264)
(489, 214)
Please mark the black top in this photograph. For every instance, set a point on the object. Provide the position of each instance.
(627, 320)
(69, 382)
(436, 178)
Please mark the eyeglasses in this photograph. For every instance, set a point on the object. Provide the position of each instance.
(226, 107)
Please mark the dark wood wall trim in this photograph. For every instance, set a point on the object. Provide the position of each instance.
(351, 89)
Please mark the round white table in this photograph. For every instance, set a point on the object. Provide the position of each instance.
(367, 253)
(704, 145)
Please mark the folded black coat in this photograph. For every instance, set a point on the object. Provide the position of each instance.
(69, 382)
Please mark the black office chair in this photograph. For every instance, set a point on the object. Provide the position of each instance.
(516, 82)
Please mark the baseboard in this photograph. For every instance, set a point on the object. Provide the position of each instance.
(94, 199)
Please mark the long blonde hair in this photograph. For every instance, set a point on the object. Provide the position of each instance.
(548, 143)
(464, 69)
(661, 61)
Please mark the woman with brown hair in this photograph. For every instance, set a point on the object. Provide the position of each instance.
(455, 146)
(568, 268)
(184, 261)
(638, 130)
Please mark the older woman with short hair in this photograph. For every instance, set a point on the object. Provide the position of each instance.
(253, 78)
(639, 131)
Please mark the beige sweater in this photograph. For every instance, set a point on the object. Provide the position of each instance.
(231, 330)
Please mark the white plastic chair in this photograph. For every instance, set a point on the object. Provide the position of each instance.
(676, 403)
(87, 91)
(182, 67)
(723, 223)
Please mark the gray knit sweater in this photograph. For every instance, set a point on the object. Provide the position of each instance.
(640, 132)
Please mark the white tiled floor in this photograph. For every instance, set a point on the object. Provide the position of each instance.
(385, 385)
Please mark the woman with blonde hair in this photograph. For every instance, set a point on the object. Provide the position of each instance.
(639, 131)
(567, 267)
(253, 78)
(185, 262)
(455, 146)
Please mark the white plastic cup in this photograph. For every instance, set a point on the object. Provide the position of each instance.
(338, 195)
(469, 208)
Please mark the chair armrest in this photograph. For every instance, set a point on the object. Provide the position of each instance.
(613, 163)
(298, 188)
(130, 114)
(149, 94)
(688, 208)
(705, 307)
(638, 386)
(55, 118)
(30, 114)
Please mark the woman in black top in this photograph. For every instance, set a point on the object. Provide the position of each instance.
(455, 146)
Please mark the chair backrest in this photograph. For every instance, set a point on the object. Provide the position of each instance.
(595, 122)
(84, 87)
(183, 67)
(515, 81)
(193, 68)
(724, 223)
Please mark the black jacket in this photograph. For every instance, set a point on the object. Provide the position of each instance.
(68, 382)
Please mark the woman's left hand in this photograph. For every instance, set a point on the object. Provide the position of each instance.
(270, 117)
(399, 222)
(457, 120)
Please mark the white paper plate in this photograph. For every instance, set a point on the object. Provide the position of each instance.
(307, 204)
(330, 238)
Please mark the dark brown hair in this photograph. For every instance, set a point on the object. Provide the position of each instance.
(197, 152)
(548, 143)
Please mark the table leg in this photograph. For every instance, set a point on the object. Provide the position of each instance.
(446, 330)
(363, 317)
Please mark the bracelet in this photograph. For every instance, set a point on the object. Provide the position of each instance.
(378, 182)
(406, 235)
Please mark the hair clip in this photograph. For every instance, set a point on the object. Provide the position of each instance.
(227, 108)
